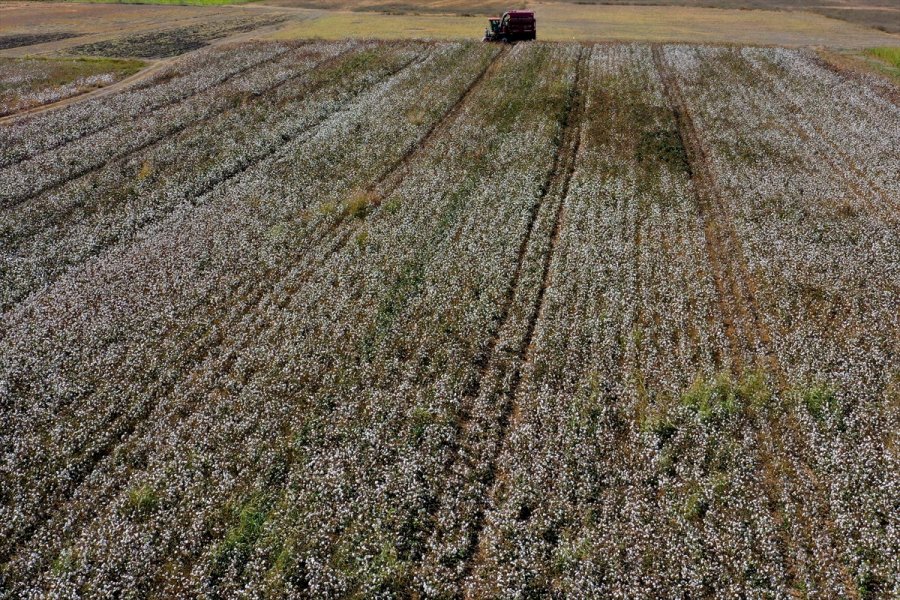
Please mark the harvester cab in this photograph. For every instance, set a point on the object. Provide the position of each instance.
(513, 26)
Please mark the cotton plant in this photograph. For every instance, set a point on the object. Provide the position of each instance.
(380, 319)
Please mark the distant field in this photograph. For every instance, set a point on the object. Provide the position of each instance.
(125, 30)
(136, 30)
(880, 14)
(567, 22)
(369, 319)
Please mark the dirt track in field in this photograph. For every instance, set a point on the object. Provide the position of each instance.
(552, 199)
(138, 77)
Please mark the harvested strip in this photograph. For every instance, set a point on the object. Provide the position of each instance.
(174, 41)
(30, 39)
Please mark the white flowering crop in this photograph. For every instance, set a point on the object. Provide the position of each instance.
(438, 319)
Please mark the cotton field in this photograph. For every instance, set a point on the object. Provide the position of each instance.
(417, 319)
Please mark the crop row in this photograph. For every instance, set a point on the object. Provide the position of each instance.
(171, 42)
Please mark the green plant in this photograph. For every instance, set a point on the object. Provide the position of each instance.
(753, 390)
(390, 573)
(392, 206)
(248, 518)
(662, 145)
(361, 239)
(419, 421)
(142, 501)
(820, 401)
(710, 399)
(361, 203)
(145, 171)
(696, 506)
(660, 425)
(66, 562)
(890, 55)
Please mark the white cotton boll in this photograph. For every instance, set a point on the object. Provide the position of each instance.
(339, 334)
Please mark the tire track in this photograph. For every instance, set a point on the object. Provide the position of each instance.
(555, 190)
(736, 291)
(739, 284)
(144, 74)
(727, 288)
(441, 124)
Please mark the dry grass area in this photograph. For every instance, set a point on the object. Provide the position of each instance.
(880, 14)
(577, 22)
(656, 23)
(446, 7)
